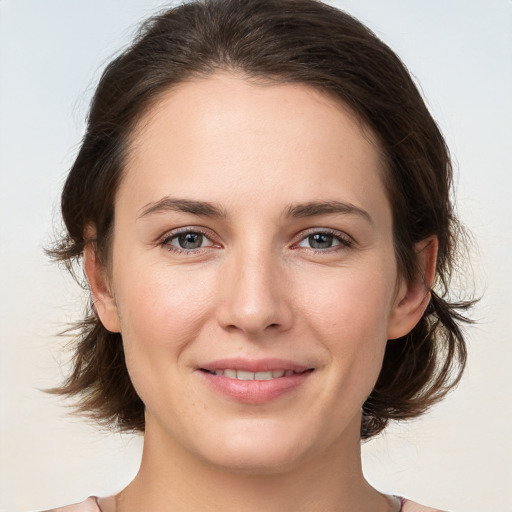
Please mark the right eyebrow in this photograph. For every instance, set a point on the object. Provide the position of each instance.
(170, 204)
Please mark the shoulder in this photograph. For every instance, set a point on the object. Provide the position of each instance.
(89, 505)
(411, 506)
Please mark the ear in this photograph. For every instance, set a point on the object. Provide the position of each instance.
(102, 298)
(412, 298)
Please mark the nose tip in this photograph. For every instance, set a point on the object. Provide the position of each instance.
(254, 299)
(253, 321)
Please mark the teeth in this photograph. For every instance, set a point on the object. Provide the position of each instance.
(245, 375)
(262, 375)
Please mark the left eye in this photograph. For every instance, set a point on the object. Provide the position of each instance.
(322, 241)
(187, 241)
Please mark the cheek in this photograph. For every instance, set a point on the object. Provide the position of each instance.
(349, 313)
(161, 311)
(160, 297)
(349, 300)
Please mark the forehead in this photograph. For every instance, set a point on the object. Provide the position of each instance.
(225, 133)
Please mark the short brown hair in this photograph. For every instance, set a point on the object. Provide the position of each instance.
(292, 41)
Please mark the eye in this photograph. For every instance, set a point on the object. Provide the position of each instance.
(323, 240)
(186, 241)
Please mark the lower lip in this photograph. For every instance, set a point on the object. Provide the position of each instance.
(255, 391)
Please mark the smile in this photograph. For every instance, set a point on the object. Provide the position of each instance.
(256, 381)
(247, 375)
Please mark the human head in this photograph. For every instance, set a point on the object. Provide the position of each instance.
(285, 41)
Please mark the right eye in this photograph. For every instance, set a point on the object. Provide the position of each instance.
(186, 241)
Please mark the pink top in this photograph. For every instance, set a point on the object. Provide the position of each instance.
(91, 505)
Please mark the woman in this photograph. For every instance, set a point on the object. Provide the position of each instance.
(261, 204)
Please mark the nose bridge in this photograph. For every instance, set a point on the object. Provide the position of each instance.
(254, 292)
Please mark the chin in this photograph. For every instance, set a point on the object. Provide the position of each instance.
(260, 450)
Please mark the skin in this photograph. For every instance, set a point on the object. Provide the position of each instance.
(256, 288)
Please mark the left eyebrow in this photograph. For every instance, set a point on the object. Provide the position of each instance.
(315, 208)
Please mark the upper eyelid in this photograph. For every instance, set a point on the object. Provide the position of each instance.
(334, 232)
(186, 229)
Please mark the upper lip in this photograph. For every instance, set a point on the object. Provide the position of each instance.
(254, 365)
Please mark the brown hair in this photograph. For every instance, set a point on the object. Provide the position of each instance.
(294, 41)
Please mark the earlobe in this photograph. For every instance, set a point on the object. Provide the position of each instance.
(102, 296)
(412, 298)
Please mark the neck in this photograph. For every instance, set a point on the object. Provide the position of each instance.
(171, 479)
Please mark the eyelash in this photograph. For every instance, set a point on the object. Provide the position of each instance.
(169, 237)
(345, 242)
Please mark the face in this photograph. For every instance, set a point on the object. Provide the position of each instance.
(253, 274)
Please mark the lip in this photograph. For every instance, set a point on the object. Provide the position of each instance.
(254, 391)
(254, 365)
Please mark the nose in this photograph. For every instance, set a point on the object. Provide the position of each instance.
(254, 295)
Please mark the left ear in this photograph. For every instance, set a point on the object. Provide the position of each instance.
(413, 297)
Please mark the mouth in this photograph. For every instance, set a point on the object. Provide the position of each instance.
(233, 373)
(254, 382)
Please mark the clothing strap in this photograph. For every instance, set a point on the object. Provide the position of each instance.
(400, 498)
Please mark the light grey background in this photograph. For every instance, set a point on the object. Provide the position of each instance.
(51, 52)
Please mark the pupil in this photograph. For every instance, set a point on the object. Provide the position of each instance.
(190, 240)
(320, 241)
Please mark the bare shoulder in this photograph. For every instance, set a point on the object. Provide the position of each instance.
(411, 506)
(89, 505)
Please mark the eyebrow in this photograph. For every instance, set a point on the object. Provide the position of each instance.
(169, 204)
(207, 209)
(315, 208)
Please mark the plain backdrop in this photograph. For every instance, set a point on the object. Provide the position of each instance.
(457, 457)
